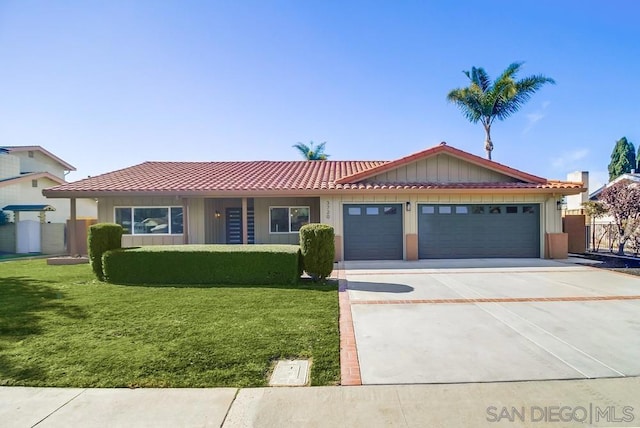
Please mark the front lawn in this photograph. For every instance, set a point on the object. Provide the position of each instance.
(61, 327)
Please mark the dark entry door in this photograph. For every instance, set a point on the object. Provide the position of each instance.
(233, 222)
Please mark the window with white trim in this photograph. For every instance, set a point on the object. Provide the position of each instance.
(150, 220)
(287, 219)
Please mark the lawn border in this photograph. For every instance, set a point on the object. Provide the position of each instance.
(349, 363)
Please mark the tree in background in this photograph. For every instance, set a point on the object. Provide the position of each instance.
(311, 151)
(484, 101)
(622, 201)
(595, 210)
(623, 158)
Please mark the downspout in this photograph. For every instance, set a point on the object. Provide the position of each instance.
(185, 220)
(73, 245)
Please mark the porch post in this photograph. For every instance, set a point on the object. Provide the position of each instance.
(72, 245)
(245, 226)
(185, 221)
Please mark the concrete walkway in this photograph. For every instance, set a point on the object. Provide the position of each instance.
(599, 402)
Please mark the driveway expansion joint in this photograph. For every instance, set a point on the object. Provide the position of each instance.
(494, 300)
(60, 407)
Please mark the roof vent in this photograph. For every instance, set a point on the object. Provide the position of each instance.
(444, 143)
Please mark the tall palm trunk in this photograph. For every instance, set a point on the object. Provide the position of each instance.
(488, 145)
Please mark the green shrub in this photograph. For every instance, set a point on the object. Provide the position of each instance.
(203, 264)
(318, 250)
(102, 237)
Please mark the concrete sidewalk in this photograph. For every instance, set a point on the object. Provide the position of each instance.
(595, 402)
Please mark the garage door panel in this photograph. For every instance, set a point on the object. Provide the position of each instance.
(491, 230)
(373, 232)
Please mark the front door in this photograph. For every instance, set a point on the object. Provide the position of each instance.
(233, 217)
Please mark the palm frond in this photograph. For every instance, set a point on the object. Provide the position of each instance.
(303, 149)
(483, 79)
(517, 94)
(510, 72)
(311, 151)
(467, 101)
(485, 101)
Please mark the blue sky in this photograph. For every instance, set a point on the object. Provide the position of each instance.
(109, 84)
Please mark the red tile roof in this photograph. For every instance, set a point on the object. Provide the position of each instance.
(222, 176)
(272, 177)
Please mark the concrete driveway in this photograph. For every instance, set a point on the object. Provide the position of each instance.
(488, 320)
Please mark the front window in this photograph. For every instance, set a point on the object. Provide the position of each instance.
(150, 220)
(288, 219)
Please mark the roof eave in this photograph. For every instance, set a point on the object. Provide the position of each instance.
(66, 194)
(67, 166)
(31, 176)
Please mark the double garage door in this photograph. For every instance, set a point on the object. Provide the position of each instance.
(470, 231)
(375, 232)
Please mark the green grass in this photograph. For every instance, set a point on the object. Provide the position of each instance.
(61, 327)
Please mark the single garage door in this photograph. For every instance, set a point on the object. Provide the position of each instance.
(477, 231)
(372, 232)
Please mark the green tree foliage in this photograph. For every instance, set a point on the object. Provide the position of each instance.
(623, 158)
(622, 201)
(311, 151)
(484, 101)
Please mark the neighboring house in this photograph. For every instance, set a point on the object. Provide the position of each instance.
(629, 178)
(24, 172)
(605, 233)
(439, 203)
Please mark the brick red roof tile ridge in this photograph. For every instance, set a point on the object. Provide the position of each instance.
(461, 185)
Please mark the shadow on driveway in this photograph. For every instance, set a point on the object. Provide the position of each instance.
(379, 287)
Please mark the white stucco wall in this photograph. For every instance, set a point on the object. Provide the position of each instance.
(23, 193)
(39, 163)
(9, 166)
(574, 202)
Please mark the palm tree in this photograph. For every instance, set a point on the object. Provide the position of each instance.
(311, 151)
(484, 100)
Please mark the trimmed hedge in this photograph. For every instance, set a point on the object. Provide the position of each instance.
(203, 264)
(102, 237)
(318, 249)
